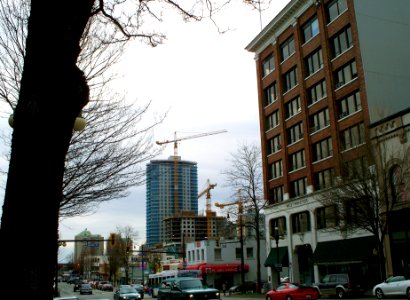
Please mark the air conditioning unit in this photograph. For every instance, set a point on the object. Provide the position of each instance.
(343, 114)
(339, 84)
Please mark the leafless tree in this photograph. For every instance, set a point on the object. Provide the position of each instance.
(244, 176)
(121, 251)
(105, 160)
(53, 90)
(367, 192)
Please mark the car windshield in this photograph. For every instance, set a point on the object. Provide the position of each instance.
(191, 284)
(127, 290)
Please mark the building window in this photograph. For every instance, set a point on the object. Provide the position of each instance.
(274, 144)
(322, 149)
(299, 187)
(324, 179)
(276, 195)
(276, 170)
(352, 137)
(292, 107)
(319, 120)
(202, 254)
(335, 8)
(217, 253)
(279, 223)
(345, 74)
(310, 29)
(314, 62)
(189, 256)
(317, 92)
(238, 253)
(297, 160)
(356, 166)
(287, 48)
(349, 105)
(341, 42)
(294, 133)
(290, 79)
(249, 252)
(326, 217)
(268, 65)
(300, 222)
(398, 185)
(270, 94)
(272, 120)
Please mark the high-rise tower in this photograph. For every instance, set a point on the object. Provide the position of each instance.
(160, 195)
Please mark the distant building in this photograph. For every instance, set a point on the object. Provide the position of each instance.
(171, 187)
(326, 69)
(391, 135)
(87, 244)
(220, 260)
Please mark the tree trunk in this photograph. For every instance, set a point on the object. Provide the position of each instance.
(53, 91)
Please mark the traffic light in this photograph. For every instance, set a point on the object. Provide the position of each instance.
(112, 239)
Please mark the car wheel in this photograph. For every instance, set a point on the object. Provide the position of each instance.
(288, 297)
(379, 294)
(340, 293)
(408, 293)
(268, 298)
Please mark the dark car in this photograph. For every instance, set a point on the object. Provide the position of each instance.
(77, 285)
(340, 285)
(86, 288)
(126, 293)
(139, 288)
(247, 286)
(107, 287)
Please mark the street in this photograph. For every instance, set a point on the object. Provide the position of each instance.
(67, 290)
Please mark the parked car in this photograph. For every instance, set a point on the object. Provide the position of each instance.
(139, 288)
(247, 286)
(340, 285)
(126, 293)
(86, 288)
(292, 291)
(392, 287)
(107, 287)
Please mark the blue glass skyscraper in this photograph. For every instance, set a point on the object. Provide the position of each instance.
(162, 180)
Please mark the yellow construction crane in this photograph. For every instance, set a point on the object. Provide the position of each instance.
(207, 191)
(240, 224)
(175, 141)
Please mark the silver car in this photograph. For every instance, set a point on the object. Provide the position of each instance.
(86, 288)
(393, 286)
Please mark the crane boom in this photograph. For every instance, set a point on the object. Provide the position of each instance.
(175, 141)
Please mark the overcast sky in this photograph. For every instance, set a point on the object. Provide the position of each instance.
(207, 81)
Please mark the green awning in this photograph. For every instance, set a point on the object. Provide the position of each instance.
(272, 258)
(355, 250)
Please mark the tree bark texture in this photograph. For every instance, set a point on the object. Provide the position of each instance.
(53, 92)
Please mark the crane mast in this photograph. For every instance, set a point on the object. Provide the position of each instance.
(207, 191)
(175, 141)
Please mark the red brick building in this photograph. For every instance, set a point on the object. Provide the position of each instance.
(325, 69)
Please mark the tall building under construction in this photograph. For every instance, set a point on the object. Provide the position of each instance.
(172, 187)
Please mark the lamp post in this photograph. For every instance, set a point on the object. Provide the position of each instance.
(142, 264)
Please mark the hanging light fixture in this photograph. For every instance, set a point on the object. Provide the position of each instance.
(79, 123)
(11, 120)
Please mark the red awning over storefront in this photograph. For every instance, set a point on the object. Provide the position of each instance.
(223, 268)
(193, 267)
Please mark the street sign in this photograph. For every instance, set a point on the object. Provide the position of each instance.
(93, 244)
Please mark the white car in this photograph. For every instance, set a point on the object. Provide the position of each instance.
(392, 287)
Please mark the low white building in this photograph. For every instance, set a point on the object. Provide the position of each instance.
(220, 260)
